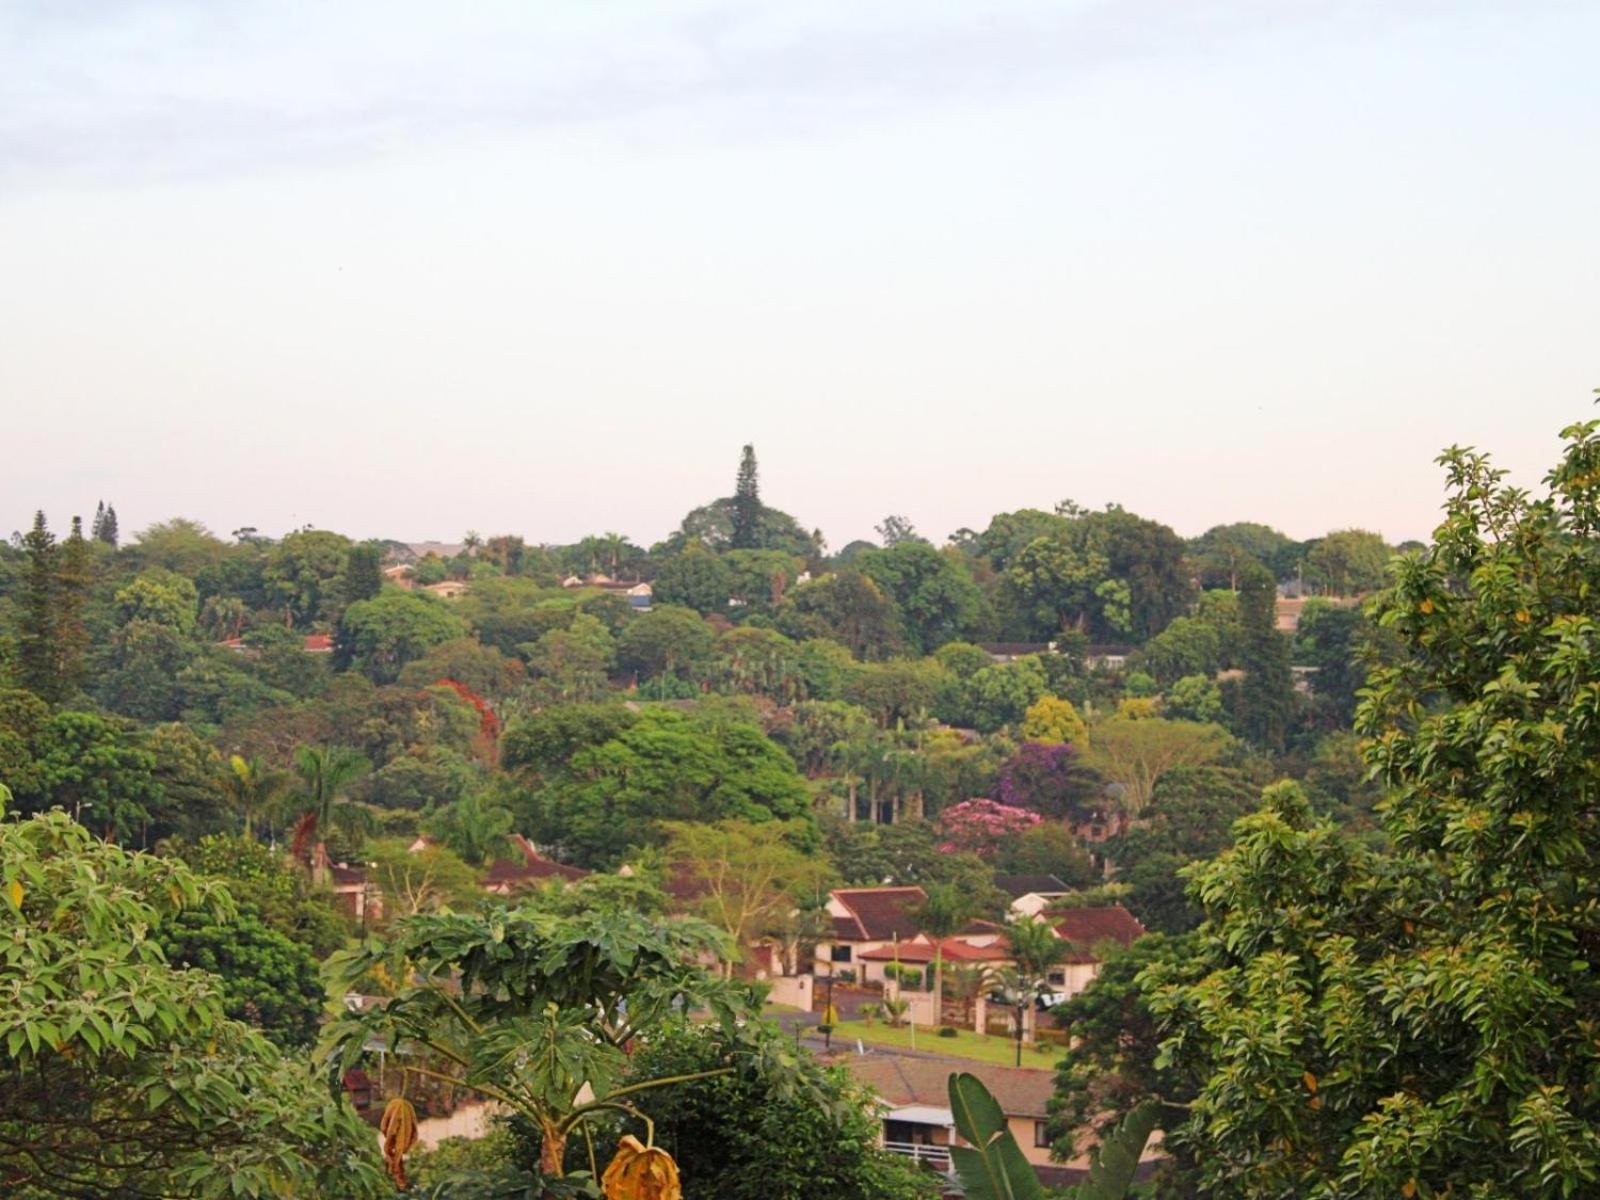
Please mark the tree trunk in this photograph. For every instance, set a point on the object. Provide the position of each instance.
(552, 1150)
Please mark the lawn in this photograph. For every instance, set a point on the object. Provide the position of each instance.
(966, 1044)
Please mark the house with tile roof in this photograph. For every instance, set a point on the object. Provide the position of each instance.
(914, 1103)
(866, 919)
(1032, 894)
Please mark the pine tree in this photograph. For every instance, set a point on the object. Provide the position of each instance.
(1266, 695)
(747, 504)
(73, 580)
(108, 528)
(97, 530)
(36, 621)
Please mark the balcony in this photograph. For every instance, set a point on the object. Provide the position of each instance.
(937, 1157)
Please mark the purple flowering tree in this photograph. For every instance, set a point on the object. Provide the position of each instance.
(1052, 780)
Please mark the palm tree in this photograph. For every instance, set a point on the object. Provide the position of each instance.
(324, 774)
(1035, 948)
(253, 789)
(945, 911)
(223, 617)
(969, 981)
(475, 827)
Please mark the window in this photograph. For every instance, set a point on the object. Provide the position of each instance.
(840, 953)
(1041, 1135)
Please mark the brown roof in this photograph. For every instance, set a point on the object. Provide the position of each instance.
(1086, 926)
(922, 952)
(877, 914)
(1018, 886)
(528, 868)
(902, 1081)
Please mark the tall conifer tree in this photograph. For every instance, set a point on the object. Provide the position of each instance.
(73, 580)
(747, 504)
(36, 622)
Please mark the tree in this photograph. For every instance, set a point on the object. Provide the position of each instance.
(746, 504)
(137, 1083)
(1113, 1062)
(265, 881)
(1150, 561)
(895, 530)
(1052, 584)
(363, 572)
(268, 980)
(663, 766)
(943, 913)
(1193, 698)
(38, 665)
(696, 579)
(416, 881)
(980, 826)
(180, 545)
(378, 637)
(666, 642)
(744, 877)
(1001, 694)
(95, 768)
(1049, 848)
(152, 643)
(303, 575)
(73, 581)
(754, 1134)
(1223, 551)
(104, 529)
(846, 607)
(325, 773)
(1421, 1022)
(1266, 694)
(1135, 754)
(1052, 779)
(536, 1010)
(1051, 721)
(571, 664)
(1187, 646)
(1350, 561)
(476, 827)
(932, 591)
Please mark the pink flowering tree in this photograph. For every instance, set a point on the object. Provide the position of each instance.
(979, 826)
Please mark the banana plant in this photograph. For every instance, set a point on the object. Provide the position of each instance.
(992, 1166)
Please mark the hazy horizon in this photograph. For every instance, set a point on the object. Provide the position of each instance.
(401, 271)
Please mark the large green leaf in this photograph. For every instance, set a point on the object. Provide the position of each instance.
(991, 1166)
(1112, 1169)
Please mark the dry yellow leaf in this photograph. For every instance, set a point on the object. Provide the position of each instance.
(14, 890)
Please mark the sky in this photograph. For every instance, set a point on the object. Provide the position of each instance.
(406, 269)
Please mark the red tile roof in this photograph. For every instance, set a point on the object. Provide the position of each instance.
(530, 867)
(877, 914)
(1086, 926)
(318, 643)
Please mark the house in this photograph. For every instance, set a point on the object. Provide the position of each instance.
(865, 919)
(449, 589)
(401, 575)
(1032, 894)
(640, 596)
(1086, 929)
(1004, 652)
(312, 643)
(353, 893)
(527, 869)
(1106, 657)
(914, 1104)
(922, 951)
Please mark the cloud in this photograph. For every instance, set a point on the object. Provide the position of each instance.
(139, 88)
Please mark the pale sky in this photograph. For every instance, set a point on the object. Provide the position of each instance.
(405, 269)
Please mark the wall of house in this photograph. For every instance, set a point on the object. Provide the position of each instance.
(1022, 1129)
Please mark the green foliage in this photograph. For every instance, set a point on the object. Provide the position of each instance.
(570, 665)
(378, 637)
(846, 607)
(991, 1164)
(535, 1009)
(476, 827)
(267, 979)
(695, 579)
(1266, 695)
(1349, 561)
(94, 767)
(1422, 1022)
(303, 575)
(932, 591)
(666, 766)
(667, 641)
(122, 1075)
